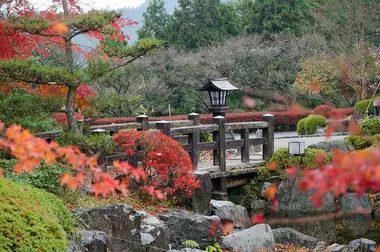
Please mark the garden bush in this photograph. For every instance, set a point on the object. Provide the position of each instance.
(44, 177)
(205, 137)
(164, 160)
(370, 126)
(323, 110)
(361, 106)
(32, 219)
(91, 144)
(301, 127)
(283, 160)
(30, 111)
(360, 142)
(312, 122)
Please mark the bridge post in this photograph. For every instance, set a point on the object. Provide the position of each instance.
(219, 157)
(268, 133)
(193, 139)
(164, 126)
(144, 120)
(244, 135)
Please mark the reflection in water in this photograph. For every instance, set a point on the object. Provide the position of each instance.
(339, 230)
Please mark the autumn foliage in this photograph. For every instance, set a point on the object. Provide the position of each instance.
(323, 110)
(167, 165)
(30, 151)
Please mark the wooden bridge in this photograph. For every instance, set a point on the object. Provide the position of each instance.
(187, 132)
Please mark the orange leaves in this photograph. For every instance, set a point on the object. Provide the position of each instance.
(315, 86)
(353, 127)
(228, 228)
(358, 169)
(59, 28)
(257, 219)
(272, 166)
(70, 181)
(270, 192)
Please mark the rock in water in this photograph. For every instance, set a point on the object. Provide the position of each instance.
(205, 230)
(291, 200)
(362, 245)
(251, 239)
(228, 211)
(291, 236)
(351, 202)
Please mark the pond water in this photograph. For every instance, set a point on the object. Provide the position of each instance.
(339, 230)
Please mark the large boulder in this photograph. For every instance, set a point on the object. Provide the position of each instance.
(229, 212)
(93, 241)
(351, 202)
(362, 245)
(205, 230)
(252, 239)
(75, 246)
(126, 229)
(292, 200)
(154, 232)
(341, 145)
(291, 236)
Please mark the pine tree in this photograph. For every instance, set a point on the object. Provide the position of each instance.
(155, 21)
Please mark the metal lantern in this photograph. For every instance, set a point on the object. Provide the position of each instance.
(296, 148)
(218, 90)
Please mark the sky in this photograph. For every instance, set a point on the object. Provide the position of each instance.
(92, 4)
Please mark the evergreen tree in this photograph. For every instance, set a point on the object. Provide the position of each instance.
(275, 16)
(155, 20)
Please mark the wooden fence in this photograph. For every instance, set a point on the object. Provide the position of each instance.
(190, 129)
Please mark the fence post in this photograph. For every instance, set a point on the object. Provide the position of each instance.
(219, 158)
(219, 155)
(194, 139)
(268, 133)
(244, 135)
(144, 120)
(164, 126)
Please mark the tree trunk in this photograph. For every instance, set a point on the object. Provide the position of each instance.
(73, 126)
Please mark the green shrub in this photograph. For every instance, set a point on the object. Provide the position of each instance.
(301, 127)
(309, 158)
(361, 106)
(43, 177)
(88, 144)
(370, 126)
(32, 219)
(30, 111)
(359, 142)
(205, 137)
(283, 160)
(312, 123)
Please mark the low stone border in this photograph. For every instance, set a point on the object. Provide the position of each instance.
(316, 135)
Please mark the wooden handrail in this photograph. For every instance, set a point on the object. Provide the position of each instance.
(246, 125)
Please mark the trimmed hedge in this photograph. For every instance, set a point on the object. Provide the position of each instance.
(312, 122)
(361, 106)
(32, 219)
(359, 142)
(323, 110)
(370, 126)
(284, 121)
(301, 127)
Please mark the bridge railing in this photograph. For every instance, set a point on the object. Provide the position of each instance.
(187, 132)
